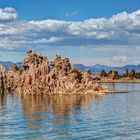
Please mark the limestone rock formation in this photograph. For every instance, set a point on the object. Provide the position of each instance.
(113, 74)
(56, 77)
(132, 74)
(2, 78)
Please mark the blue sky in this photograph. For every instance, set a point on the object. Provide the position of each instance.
(57, 9)
(88, 31)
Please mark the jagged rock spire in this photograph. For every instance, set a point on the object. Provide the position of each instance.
(57, 77)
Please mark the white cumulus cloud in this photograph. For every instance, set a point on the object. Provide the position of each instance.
(120, 29)
(7, 15)
(120, 33)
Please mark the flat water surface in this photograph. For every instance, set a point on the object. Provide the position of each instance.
(111, 117)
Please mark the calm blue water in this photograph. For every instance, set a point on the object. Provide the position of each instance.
(112, 117)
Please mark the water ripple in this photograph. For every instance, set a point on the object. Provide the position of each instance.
(115, 116)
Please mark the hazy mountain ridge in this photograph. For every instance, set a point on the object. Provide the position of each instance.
(9, 64)
(98, 68)
(94, 69)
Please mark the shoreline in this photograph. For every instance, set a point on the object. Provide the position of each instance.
(121, 81)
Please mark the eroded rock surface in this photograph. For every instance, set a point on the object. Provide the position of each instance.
(56, 77)
(2, 78)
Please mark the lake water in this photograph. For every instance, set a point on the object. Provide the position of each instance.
(111, 117)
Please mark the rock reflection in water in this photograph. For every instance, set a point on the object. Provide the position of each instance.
(115, 116)
(54, 113)
(60, 104)
(2, 99)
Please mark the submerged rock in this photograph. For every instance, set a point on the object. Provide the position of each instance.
(57, 77)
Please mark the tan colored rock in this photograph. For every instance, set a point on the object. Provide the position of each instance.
(2, 78)
(113, 75)
(58, 77)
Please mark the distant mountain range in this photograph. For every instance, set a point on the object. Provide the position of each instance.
(9, 64)
(94, 69)
(98, 68)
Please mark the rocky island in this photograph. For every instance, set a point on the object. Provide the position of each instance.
(39, 76)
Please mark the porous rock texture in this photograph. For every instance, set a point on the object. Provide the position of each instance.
(56, 77)
(2, 78)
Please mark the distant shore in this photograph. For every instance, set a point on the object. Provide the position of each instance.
(121, 81)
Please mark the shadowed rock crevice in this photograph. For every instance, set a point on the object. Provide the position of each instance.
(2, 79)
(56, 77)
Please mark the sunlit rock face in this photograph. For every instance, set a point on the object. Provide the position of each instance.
(57, 77)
